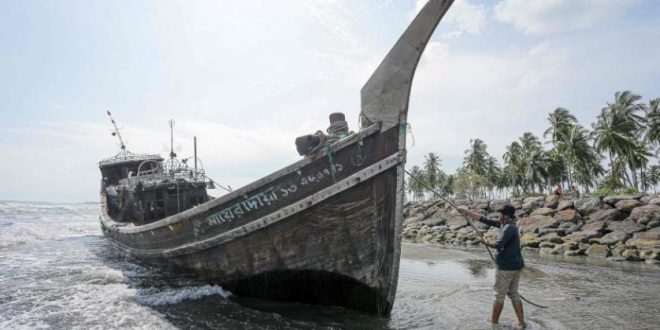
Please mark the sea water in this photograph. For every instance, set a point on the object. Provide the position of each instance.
(58, 272)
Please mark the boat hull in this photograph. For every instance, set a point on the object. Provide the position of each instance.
(332, 240)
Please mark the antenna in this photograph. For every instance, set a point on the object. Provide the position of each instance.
(172, 154)
(116, 132)
(195, 144)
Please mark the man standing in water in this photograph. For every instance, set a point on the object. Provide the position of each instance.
(509, 261)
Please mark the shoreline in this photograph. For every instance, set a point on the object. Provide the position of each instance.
(613, 228)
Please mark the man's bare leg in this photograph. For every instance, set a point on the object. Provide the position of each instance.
(518, 307)
(497, 310)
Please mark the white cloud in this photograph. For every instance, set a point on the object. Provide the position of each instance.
(549, 16)
(463, 16)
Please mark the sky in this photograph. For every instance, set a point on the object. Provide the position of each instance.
(248, 77)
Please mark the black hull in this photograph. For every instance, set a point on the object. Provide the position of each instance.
(335, 241)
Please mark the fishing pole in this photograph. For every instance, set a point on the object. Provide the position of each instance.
(469, 222)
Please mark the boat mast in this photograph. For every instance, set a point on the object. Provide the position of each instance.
(195, 147)
(116, 132)
(172, 154)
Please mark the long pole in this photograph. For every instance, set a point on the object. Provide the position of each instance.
(469, 221)
(195, 145)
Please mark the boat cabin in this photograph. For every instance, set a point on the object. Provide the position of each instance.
(142, 188)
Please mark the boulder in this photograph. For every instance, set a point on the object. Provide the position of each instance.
(564, 205)
(440, 229)
(413, 219)
(480, 225)
(644, 240)
(612, 200)
(434, 221)
(492, 233)
(552, 238)
(645, 214)
(627, 205)
(482, 204)
(562, 248)
(655, 201)
(547, 250)
(652, 254)
(543, 211)
(532, 203)
(626, 226)
(653, 224)
(630, 254)
(598, 251)
(582, 236)
(572, 253)
(529, 240)
(594, 226)
(551, 201)
(546, 245)
(533, 223)
(430, 211)
(558, 231)
(588, 205)
(457, 222)
(497, 203)
(613, 238)
(607, 215)
(568, 215)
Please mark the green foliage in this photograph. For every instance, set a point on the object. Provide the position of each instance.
(532, 194)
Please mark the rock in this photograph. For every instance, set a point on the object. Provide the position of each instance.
(613, 238)
(562, 248)
(630, 254)
(582, 236)
(430, 211)
(546, 245)
(654, 230)
(645, 199)
(644, 240)
(551, 201)
(433, 221)
(598, 251)
(529, 240)
(653, 224)
(627, 205)
(572, 253)
(492, 233)
(552, 238)
(549, 250)
(564, 205)
(456, 222)
(607, 215)
(652, 254)
(568, 215)
(532, 203)
(497, 203)
(480, 225)
(413, 219)
(439, 229)
(626, 226)
(588, 205)
(543, 211)
(594, 226)
(612, 200)
(533, 223)
(645, 214)
(483, 204)
(654, 201)
(543, 231)
(516, 202)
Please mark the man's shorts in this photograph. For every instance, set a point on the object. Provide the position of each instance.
(506, 283)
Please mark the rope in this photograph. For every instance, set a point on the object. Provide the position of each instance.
(332, 164)
(471, 224)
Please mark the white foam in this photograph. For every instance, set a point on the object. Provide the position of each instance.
(173, 296)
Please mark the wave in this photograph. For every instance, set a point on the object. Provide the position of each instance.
(170, 296)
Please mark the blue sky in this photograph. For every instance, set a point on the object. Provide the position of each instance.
(247, 77)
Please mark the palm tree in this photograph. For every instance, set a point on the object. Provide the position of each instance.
(435, 177)
(561, 122)
(617, 129)
(652, 134)
(415, 188)
(476, 158)
(513, 160)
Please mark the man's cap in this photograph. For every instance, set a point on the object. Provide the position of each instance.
(508, 209)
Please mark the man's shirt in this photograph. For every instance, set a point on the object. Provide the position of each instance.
(508, 256)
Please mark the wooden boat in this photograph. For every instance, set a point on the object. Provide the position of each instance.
(324, 230)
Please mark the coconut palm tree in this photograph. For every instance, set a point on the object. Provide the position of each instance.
(435, 177)
(415, 188)
(652, 134)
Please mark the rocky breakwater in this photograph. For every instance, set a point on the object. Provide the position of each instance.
(624, 227)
